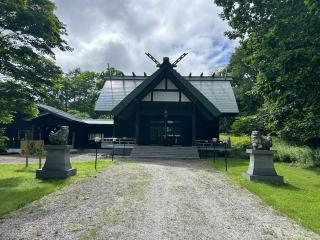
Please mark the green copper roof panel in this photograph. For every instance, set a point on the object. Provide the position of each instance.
(219, 93)
(113, 92)
(217, 90)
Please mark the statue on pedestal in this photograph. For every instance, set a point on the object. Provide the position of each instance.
(59, 137)
(57, 163)
(260, 142)
(261, 165)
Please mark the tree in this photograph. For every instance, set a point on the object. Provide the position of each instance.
(244, 78)
(79, 114)
(78, 90)
(106, 74)
(281, 40)
(75, 90)
(29, 31)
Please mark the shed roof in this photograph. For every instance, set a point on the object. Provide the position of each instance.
(72, 118)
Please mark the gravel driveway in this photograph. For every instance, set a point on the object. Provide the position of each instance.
(151, 200)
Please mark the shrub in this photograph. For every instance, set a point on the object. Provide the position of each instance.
(286, 152)
(3, 140)
(245, 125)
(239, 144)
(78, 114)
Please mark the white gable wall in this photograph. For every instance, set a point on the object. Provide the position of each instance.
(165, 91)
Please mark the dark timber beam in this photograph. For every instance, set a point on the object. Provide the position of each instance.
(114, 127)
(194, 127)
(137, 123)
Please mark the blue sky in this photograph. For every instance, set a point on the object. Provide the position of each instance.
(119, 32)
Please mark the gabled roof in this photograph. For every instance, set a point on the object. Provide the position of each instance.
(215, 93)
(70, 117)
(166, 67)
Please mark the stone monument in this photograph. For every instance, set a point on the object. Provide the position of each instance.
(261, 165)
(57, 163)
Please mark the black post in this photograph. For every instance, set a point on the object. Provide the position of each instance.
(124, 148)
(165, 127)
(206, 154)
(225, 156)
(95, 162)
(112, 150)
(40, 162)
(27, 161)
(214, 153)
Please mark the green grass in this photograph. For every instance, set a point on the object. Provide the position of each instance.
(299, 198)
(18, 185)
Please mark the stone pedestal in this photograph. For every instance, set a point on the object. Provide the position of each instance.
(57, 163)
(261, 167)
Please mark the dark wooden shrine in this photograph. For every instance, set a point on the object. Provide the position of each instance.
(167, 108)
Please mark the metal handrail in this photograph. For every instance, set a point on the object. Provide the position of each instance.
(121, 141)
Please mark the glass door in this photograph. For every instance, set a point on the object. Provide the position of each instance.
(169, 133)
(174, 133)
(157, 132)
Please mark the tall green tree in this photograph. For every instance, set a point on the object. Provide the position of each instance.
(281, 40)
(75, 90)
(244, 78)
(29, 31)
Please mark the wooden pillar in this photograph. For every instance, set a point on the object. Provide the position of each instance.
(137, 123)
(73, 140)
(194, 125)
(114, 127)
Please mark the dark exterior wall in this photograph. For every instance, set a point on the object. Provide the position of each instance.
(12, 130)
(206, 127)
(106, 130)
(41, 126)
(78, 132)
(125, 127)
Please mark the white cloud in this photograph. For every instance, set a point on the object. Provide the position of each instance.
(120, 32)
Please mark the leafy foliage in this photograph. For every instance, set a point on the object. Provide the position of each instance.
(239, 145)
(245, 125)
(79, 114)
(3, 140)
(286, 152)
(244, 78)
(280, 41)
(105, 75)
(77, 91)
(29, 31)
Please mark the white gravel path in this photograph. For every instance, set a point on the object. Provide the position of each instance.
(151, 200)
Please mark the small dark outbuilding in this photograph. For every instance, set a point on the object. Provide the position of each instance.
(81, 131)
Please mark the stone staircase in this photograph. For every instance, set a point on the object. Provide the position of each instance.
(162, 152)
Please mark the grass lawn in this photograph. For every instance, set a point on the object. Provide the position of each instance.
(18, 185)
(299, 198)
